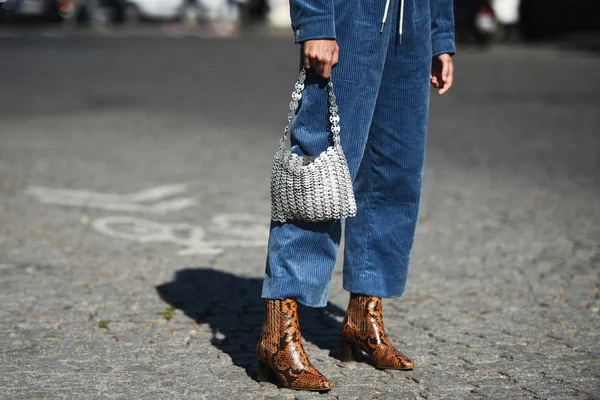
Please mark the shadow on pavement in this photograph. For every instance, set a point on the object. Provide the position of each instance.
(233, 308)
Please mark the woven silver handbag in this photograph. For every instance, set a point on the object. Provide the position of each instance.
(309, 188)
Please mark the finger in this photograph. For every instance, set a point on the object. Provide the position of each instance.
(336, 57)
(444, 88)
(307, 56)
(445, 69)
(451, 72)
(449, 80)
(434, 81)
(319, 67)
(326, 70)
(325, 64)
(314, 63)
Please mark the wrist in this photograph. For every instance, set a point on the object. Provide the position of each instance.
(314, 28)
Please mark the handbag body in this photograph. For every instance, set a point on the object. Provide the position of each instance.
(311, 188)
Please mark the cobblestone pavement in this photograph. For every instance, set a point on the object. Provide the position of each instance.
(134, 208)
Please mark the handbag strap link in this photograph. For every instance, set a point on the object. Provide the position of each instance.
(334, 118)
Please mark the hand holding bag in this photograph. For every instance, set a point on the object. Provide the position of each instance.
(309, 188)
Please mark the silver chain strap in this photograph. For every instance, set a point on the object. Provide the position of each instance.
(334, 118)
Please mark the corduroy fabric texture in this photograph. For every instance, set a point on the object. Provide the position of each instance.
(382, 88)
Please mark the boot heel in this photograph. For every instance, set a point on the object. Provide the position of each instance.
(347, 352)
(265, 373)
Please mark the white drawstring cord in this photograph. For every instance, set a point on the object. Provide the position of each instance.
(401, 20)
(385, 14)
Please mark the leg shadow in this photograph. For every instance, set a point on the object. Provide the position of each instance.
(234, 310)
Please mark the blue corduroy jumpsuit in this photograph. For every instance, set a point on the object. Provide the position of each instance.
(382, 88)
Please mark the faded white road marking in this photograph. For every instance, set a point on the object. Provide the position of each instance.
(229, 230)
(157, 192)
(116, 202)
(191, 237)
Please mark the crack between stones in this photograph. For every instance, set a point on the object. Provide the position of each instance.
(577, 391)
(519, 385)
(436, 338)
(465, 360)
(413, 379)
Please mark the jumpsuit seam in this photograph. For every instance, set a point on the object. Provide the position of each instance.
(369, 201)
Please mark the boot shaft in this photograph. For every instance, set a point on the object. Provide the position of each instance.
(365, 314)
(280, 323)
(280, 355)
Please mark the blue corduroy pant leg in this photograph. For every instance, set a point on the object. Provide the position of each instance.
(388, 184)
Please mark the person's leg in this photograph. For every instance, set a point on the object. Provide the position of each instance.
(301, 256)
(388, 189)
(388, 185)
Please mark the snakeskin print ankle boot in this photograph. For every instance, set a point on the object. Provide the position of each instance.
(363, 329)
(281, 357)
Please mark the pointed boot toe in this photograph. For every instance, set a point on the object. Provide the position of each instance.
(363, 330)
(313, 381)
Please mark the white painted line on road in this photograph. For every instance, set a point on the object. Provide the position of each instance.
(191, 237)
(172, 205)
(157, 192)
(117, 202)
(231, 230)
